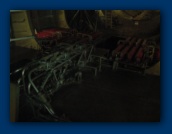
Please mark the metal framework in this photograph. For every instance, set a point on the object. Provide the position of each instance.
(62, 65)
(63, 56)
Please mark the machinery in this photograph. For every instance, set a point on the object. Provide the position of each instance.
(65, 53)
(56, 65)
(135, 53)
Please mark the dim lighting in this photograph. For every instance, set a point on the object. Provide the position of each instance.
(136, 23)
(35, 31)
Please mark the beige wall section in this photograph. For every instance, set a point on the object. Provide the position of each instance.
(100, 13)
(155, 70)
(21, 28)
(123, 15)
(60, 19)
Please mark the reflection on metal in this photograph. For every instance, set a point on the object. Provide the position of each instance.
(22, 31)
(63, 65)
(22, 38)
(74, 17)
(17, 10)
(62, 58)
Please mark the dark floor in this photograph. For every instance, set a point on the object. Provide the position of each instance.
(111, 96)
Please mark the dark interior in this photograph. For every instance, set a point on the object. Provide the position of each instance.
(129, 93)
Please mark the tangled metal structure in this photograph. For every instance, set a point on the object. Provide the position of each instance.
(63, 55)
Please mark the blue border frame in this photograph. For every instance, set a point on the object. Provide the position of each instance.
(164, 126)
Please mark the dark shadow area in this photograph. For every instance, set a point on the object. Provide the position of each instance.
(119, 96)
(112, 96)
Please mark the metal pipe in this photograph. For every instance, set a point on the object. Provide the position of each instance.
(29, 86)
(54, 73)
(46, 79)
(22, 38)
(17, 10)
(16, 71)
(89, 56)
(31, 82)
(74, 17)
(30, 73)
(23, 79)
